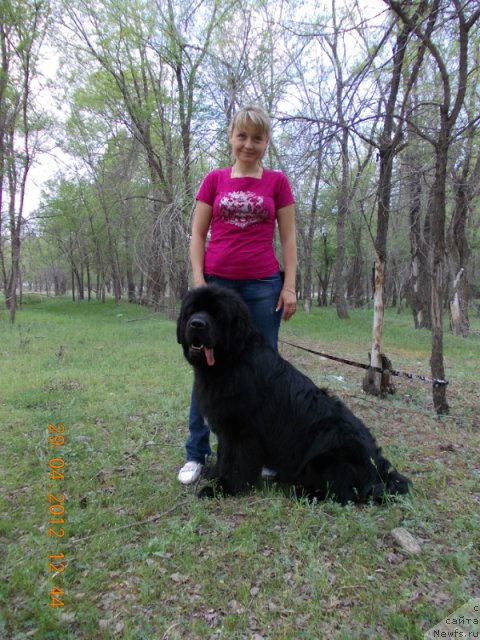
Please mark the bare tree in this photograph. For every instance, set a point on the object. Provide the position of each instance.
(461, 17)
(343, 138)
(465, 175)
(413, 173)
(393, 104)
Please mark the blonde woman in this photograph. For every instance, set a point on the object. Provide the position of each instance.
(241, 205)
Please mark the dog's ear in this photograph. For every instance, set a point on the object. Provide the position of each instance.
(179, 324)
(184, 314)
(239, 332)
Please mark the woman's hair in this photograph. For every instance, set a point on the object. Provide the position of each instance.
(251, 115)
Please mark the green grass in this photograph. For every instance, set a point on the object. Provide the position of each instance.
(144, 559)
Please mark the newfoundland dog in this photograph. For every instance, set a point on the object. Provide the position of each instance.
(267, 413)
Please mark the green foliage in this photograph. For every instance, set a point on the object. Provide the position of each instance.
(156, 83)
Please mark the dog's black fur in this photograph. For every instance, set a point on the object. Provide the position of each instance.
(266, 412)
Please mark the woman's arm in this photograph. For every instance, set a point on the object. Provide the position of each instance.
(288, 240)
(201, 223)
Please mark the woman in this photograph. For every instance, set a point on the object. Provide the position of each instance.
(240, 205)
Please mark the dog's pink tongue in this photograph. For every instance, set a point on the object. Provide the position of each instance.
(209, 356)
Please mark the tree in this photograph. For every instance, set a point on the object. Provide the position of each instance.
(414, 177)
(22, 32)
(153, 54)
(392, 107)
(346, 107)
(465, 175)
(460, 18)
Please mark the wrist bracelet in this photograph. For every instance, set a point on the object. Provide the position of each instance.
(291, 290)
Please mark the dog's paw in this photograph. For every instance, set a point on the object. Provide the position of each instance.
(398, 484)
(211, 491)
(210, 471)
(206, 492)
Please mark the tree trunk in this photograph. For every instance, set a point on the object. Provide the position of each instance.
(79, 278)
(131, 295)
(375, 382)
(437, 271)
(458, 313)
(343, 208)
(89, 282)
(420, 282)
(450, 106)
(324, 278)
(157, 282)
(355, 290)
(373, 379)
(465, 187)
(309, 237)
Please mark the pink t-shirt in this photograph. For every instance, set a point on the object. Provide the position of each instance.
(243, 222)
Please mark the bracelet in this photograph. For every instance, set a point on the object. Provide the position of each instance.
(291, 290)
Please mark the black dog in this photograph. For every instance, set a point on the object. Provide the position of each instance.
(266, 412)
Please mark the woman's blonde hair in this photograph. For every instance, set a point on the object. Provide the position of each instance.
(251, 115)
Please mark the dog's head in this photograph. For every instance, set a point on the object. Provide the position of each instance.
(213, 326)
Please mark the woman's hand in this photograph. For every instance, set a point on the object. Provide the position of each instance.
(287, 300)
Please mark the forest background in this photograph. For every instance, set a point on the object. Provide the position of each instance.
(375, 110)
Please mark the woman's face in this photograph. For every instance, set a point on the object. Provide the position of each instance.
(248, 145)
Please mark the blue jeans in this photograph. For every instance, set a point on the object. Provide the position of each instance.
(261, 297)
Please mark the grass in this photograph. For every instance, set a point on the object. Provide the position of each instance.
(144, 559)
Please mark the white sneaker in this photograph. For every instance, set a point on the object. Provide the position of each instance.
(190, 472)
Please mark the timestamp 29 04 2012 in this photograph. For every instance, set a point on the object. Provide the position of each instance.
(56, 511)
